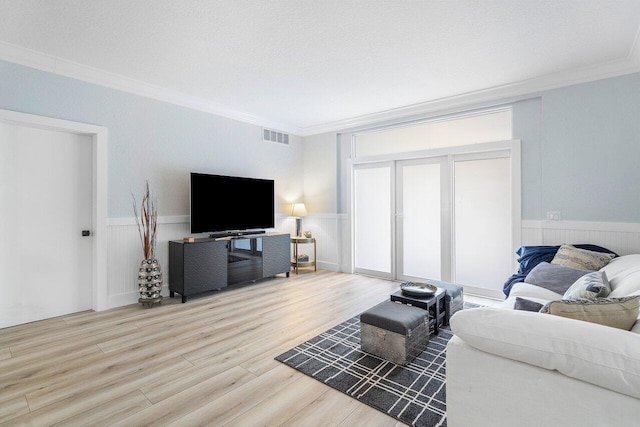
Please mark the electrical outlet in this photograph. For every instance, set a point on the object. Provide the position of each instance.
(553, 215)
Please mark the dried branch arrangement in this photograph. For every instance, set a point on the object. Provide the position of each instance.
(147, 221)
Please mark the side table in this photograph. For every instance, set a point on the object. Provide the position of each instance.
(296, 241)
(434, 305)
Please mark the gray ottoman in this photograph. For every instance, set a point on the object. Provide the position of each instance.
(394, 331)
(454, 298)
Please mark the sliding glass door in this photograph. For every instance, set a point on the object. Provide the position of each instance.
(482, 220)
(373, 204)
(448, 217)
(421, 196)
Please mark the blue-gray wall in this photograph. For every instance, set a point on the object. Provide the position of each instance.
(580, 151)
(580, 145)
(591, 150)
(155, 140)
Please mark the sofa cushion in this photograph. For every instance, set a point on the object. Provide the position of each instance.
(570, 256)
(621, 266)
(619, 313)
(527, 290)
(624, 275)
(530, 256)
(591, 285)
(630, 286)
(597, 354)
(527, 305)
(556, 278)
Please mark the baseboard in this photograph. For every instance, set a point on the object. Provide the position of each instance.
(130, 298)
(331, 266)
(484, 293)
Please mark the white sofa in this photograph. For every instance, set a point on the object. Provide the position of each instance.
(509, 367)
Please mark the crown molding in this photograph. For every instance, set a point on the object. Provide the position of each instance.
(63, 67)
(53, 64)
(634, 52)
(504, 92)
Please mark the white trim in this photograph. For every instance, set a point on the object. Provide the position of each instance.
(128, 298)
(623, 227)
(99, 138)
(510, 149)
(512, 90)
(634, 52)
(377, 128)
(438, 152)
(482, 292)
(63, 67)
(34, 59)
(176, 219)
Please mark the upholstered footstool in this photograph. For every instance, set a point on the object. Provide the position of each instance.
(453, 300)
(394, 331)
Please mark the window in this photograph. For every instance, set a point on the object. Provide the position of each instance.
(446, 132)
(450, 205)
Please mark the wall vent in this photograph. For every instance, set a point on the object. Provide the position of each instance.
(275, 136)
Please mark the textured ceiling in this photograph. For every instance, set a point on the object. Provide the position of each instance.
(309, 63)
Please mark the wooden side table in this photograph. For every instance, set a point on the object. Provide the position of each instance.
(312, 261)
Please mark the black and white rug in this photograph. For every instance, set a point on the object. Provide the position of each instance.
(414, 394)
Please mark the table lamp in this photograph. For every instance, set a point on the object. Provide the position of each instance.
(298, 211)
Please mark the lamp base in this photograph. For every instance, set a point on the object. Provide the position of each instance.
(298, 227)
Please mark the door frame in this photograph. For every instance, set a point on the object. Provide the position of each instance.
(99, 137)
(392, 196)
(445, 216)
(512, 146)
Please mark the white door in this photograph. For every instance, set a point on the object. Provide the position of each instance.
(45, 204)
(483, 220)
(373, 213)
(421, 228)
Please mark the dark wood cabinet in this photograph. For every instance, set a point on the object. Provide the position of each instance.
(212, 264)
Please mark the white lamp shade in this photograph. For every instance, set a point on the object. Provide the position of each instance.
(298, 210)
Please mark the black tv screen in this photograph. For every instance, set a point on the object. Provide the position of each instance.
(230, 203)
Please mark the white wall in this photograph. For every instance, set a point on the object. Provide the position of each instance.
(320, 173)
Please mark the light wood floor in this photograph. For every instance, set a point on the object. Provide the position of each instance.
(206, 362)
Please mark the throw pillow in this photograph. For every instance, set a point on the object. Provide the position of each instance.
(556, 278)
(570, 256)
(527, 305)
(615, 312)
(591, 285)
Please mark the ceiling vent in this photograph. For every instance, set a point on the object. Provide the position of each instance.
(275, 136)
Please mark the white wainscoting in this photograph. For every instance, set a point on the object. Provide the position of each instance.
(124, 252)
(332, 234)
(622, 238)
(327, 229)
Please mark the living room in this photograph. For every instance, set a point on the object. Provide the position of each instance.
(161, 91)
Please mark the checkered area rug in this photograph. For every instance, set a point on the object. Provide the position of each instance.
(414, 394)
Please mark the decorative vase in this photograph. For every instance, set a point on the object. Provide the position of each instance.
(150, 282)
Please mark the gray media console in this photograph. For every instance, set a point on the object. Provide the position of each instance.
(212, 264)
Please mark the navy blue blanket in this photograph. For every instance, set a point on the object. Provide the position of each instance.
(530, 256)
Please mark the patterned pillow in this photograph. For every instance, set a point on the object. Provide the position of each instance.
(615, 312)
(591, 285)
(570, 256)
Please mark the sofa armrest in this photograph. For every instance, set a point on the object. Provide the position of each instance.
(600, 355)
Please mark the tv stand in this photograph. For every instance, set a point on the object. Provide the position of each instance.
(211, 264)
(237, 233)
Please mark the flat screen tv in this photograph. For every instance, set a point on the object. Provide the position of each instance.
(222, 203)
